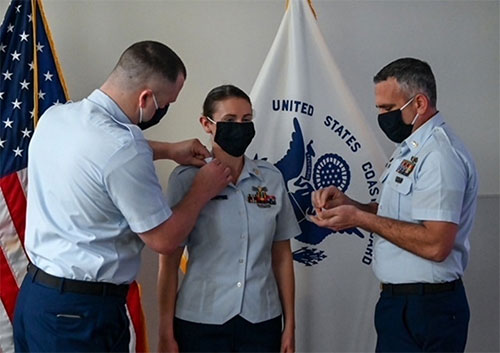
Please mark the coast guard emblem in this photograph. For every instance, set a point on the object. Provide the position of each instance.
(303, 174)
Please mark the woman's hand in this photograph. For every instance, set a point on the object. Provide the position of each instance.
(288, 340)
(167, 344)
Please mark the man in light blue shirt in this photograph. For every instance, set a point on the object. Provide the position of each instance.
(94, 200)
(424, 217)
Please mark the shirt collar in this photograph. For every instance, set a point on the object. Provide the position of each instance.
(109, 105)
(250, 168)
(418, 137)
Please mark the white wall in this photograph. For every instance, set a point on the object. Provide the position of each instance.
(227, 41)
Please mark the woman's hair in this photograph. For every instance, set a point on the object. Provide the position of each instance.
(219, 94)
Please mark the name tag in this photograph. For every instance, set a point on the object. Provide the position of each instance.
(220, 197)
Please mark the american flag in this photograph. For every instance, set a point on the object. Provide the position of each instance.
(29, 85)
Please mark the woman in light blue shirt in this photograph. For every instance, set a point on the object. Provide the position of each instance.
(238, 291)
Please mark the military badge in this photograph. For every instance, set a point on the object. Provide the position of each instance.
(261, 198)
(407, 166)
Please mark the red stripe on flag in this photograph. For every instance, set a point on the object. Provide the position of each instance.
(137, 315)
(16, 202)
(8, 287)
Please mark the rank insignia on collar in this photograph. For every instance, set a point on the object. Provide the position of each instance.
(261, 198)
(407, 166)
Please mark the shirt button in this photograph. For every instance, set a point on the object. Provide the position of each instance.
(238, 284)
(241, 261)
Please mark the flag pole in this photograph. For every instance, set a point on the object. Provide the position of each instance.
(35, 65)
(54, 53)
(310, 6)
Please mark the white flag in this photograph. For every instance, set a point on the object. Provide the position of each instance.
(309, 126)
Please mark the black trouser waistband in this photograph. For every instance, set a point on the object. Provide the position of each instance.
(420, 288)
(76, 286)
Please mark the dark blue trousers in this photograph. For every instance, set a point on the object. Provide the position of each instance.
(47, 320)
(422, 322)
(235, 335)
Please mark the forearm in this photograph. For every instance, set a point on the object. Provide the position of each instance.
(182, 221)
(161, 150)
(371, 207)
(283, 272)
(210, 179)
(428, 240)
(167, 292)
(169, 235)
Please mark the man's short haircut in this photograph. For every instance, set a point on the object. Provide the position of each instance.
(414, 76)
(145, 59)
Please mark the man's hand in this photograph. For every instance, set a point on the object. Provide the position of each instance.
(188, 152)
(329, 197)
(211, 179)
(337, 218)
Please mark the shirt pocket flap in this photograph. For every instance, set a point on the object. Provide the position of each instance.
(401, 184)
(384, 175)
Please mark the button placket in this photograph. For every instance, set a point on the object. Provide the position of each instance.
(243, 243)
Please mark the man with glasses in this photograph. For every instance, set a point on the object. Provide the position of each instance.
(423, 218)
(94, 200)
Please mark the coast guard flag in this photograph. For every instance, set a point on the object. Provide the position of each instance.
(29, 85)
(310, 128)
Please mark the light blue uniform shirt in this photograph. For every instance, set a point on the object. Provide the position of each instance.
(92, 186)
(230, 270)
(430, 177)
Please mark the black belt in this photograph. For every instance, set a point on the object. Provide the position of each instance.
(75, 286)
(420, 288)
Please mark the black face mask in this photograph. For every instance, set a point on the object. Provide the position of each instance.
(233, 137)
(159, 114)
(393, 126)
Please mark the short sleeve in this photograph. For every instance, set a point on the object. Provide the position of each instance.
(286, 222)
(176, 190)
(179, 182)
(439, 188)
(132, 184)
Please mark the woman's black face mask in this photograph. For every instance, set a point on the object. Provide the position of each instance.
(234, 137)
